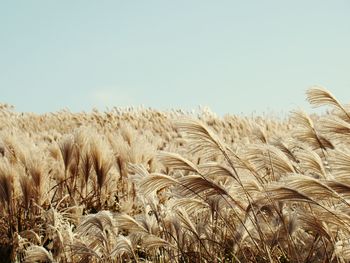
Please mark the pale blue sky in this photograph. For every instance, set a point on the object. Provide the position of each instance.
(233, 56)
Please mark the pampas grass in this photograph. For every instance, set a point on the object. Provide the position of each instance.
(139, 185)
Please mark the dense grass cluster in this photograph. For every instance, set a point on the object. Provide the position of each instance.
(139, 185)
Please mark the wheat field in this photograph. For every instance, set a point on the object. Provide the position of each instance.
(140, 185)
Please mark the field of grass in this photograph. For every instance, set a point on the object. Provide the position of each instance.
(140, 185)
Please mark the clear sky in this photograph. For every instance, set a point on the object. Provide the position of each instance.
(233, 56)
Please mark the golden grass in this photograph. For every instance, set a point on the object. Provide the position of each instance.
(139, 185)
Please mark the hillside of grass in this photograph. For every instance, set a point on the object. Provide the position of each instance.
(141, 185)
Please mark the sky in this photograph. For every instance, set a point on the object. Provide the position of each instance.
(235, 57)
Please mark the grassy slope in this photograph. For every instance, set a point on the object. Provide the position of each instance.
(135, 185)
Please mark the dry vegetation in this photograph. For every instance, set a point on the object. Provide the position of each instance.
(138, 185)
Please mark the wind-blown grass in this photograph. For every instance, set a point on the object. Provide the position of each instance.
(139, 185)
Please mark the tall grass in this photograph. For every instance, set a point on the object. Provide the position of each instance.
(139, 185)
